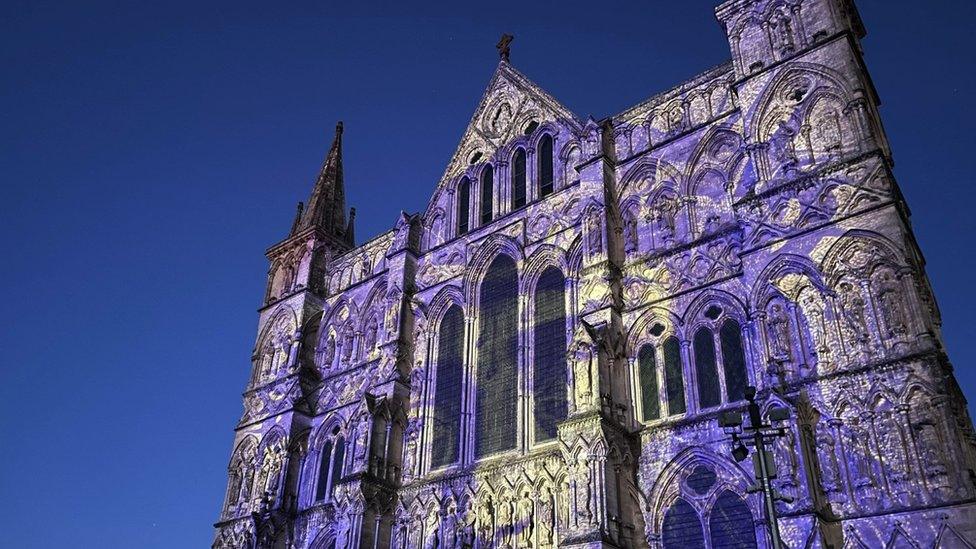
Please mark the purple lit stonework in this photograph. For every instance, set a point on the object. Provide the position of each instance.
(539, 358)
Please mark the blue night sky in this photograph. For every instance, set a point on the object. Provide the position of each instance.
(150, 154)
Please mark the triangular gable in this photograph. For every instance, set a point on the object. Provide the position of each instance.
(510, 102)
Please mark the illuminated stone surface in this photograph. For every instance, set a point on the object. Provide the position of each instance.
(743, 225)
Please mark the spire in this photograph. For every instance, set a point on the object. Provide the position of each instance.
(327, 205)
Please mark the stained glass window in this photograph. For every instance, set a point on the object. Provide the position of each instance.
(647, 373)
(447, 388)
(518, 179)
(709, 393)
(733, 360)
(730, 523)
(463, 205)
(487, 193)
(549, 375)
(673, 381)
(495, 403)
(545, 166)
(325, 461)
(682, 528)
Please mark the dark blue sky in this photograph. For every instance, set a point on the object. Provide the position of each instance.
(150, 153)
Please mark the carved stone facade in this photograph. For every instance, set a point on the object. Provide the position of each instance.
(742, 228)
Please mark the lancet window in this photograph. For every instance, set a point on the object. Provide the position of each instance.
(447, 389)
(549, 343)
(497, 370)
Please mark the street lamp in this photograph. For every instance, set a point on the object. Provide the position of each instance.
(757, 434)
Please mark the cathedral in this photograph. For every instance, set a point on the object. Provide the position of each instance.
(542, 357)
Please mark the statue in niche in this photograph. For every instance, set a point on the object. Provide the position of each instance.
(663, 215)
(676, 119)
(852, 307)
(855, 443)
(816, 322)
(584, 390)
(781, 149)
(370, 340)
(525, 521)
(630, 231)
(546, 519)
(486, 523)
(594, 233)
(410, 454)
(271, 468)
(505, 516)
(466, 538)
(779, 333)
(267, 360)
(827, 457)
(782, 34)
(892, 450)
(432, 540)
(788, 463)
(890, 304)
(347, 343)
(928, 442)
(449, 538)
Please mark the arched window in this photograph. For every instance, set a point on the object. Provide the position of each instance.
(487, 192)
(330, 466)
(463, 205)
(733, 360)
(730, 523)
(447, 388)
(518, 179)
(337, 463)
(495, 403)
(709, 391)
(325, 462)
(673, 380)
(545, 165)
(682, 528)
(647, 374)
(549, 375)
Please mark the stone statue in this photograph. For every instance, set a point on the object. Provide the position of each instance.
(779, 333)
(525, 521)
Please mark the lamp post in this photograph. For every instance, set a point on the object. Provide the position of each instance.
(757, 434)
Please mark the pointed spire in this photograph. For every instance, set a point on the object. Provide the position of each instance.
(327, 204)
(298, 217)
(351, 228)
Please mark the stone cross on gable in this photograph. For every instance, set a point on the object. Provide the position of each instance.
(504, 46)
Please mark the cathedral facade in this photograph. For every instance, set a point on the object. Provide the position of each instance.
(541, 357)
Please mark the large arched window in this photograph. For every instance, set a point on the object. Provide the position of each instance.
(733, 360)
(647, 375)
(330, 466)
(497, 377)
(518, 179)
(730, 523)
(463, 205)
(682, 528)
(673, 377)
(447, 389)
(549, 375)
(545, 165)
(709, 391)
(487, 193)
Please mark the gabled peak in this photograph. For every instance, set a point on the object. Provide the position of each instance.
(510, 106)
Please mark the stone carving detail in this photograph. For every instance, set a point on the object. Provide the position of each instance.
(774, 205)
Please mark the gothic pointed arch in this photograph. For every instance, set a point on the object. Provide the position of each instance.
(497, 354)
